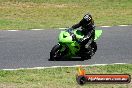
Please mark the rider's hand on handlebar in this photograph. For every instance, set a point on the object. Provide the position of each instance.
(72, 34)
(69, 30)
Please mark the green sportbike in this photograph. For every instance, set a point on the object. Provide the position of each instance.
(68, 47)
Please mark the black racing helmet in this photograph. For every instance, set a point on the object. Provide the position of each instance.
(87, 21)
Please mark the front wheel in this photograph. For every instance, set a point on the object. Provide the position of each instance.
(55, 53)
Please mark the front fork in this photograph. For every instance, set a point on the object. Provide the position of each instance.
(63, 49)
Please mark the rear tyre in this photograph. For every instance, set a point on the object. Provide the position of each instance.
(93, 46)
(91, 51)
(55, 53)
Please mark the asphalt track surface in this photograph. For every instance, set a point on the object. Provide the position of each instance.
(28, 49)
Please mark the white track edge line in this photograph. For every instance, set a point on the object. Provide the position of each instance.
(37, 29)
(65, 66)
(105, 26)
(12, 30)
(30, 29)
(123, 25)
(66, 28)
(62, 28)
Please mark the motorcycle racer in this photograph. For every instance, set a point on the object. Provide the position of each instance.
(78, 42)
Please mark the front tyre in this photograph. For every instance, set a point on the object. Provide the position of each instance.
(55, 53)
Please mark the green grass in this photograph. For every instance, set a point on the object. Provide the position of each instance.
(60, 77)
(28, 14)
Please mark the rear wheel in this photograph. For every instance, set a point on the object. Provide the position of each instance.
(90, 51)
(93, 47)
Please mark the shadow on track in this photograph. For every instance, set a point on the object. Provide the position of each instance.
(69, 59)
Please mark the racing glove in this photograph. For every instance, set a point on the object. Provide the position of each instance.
(69, 30)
